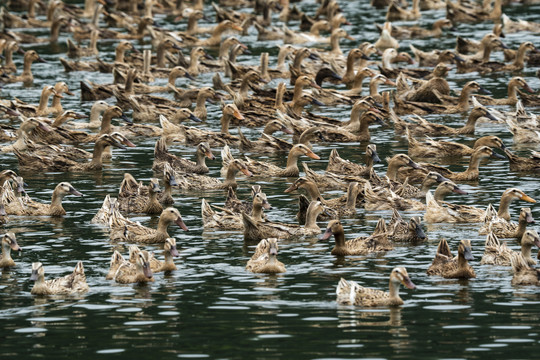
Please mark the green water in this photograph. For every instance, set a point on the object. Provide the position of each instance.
(212, 307)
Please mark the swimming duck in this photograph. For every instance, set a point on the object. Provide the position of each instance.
(264, 260)
(162, 157)
(215, 37)
(511, 26)
(478, 61)
(291, 169)
(140, 272)
(351, 293)
(438, 210)
(445, 265)
(524, 274)
(470, 174)
(467, 46)
(517, 65)
(507, 229)
(384, 198)
(398, 161)
(255, 230)
(518, 163)
(55, 208)
(135, 232)
(377, 242)
(57, 163)
(75, 51)
(402, 231)
(103, 214)
(169, 252)
(338, 165)
(497, 253)
(26, 77)
(9, 242)
(386, 41)
(443, 149)
(457, 12)
(434, 57)
(412, 32)
(507, 197)
(396, 12)
(138, 203)
(67, 285)
(267, 142)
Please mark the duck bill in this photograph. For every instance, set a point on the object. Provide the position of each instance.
(11, 112)
(529, 219)
(497, 156)
(286, 130)
(79, 116)
(210, 155)
(312, 155)
(44, 127)
(349, 37)
(458, 58)
(194, 118)
(174, 252)
(172, 181)
(69, 93)
(527, 198)
(238, 115)
(246, 172)
(315, 85)
(459, 191)
(180, 223)
(408, 283)
(34, 275)
(316, 102)
(189, 76)
(14, 246)
(147, 271)
(484, 91)
(41, 60)
(414, 165)
(75, 192)
(537, 242)
(420, 232)
(266, 205)
(375, 157)
(327, 234)
(60, 96)
(467, 254)
(128, 143)
(490, 116)
(208, 56)
(313, 56)
(155, 188)
(390, 82)
(237, 27)
(527, 88)
(126, 119)
(290, 188)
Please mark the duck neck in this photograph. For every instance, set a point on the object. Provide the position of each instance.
(496, 13)
(215, 38)
(522, 226)
(56, 202)
(339, 238)
(526, 251)
(306, 137)
(364, 127)
(392, 170)
(387, 62)
(512, 91)
(201, 159)
(27, 67)
(95, 113)
(200, 104)
(311, 219)
(334, 44)
(194, 64)
(349, 71)
(60, 120)
(9, 58)
(167, 193)
(470, 125)
(230, 177)
(257, 213)
(162, 226)
(440, 193)
(264, 66)
(6, 253)
(282, 55)
(297, 107)
(462, 262)
(316, 28)
(169, 260)
(292, 162)
(43, 101)
(160, 55)
(351, 198)
(519, 61)
(373, 88)
(486, 53)
(313, 192)
(463, 102)
(193, 25)
(279, 98)
(55, 31)
(225, 121)
(244, 87)
(120, 53)
(393, 290)
(474, 164)
(504, 208)
(99, 147)
(298, 89)
(357, 82)
(106, 127)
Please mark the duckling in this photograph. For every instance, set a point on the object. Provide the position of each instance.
(58, 163)
(291, 169)
(147, 204)
(470, 174)
(9, 242)
(506, 229)
(445, 265)
(67, 285)
(497, 253)
(377, 242)
(139, 272)
(445, 149)
(162, 157)
(351, 293)
(396, 12)
(26, 77)
(264, 260)
(255, 230)
(438, 210)
(135, 232)
(524, 274)
(116, 260)
(55, 208)
(400, 230)
(338, 165)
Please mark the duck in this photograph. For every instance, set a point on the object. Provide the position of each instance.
(434, 57)
(41, 109)
(264, 260)
(116, 260)
(457, 12)
(497, 253)
(26, 77)
(75, 51)
(396, 162)
(396, 12)
(507, 197)
(384, 198)
(231, 217)
(162, 157)
(417, 32)
(135, 232)
(466, 46)
(169, 252)
(438, 211)
(57, 163)
(291, 170)
(480, 61)
(351, 293)
(73, 283)
(386, 41)
(215, 37)
(518, 163)
(524, 274)
(139, 203)
(402, 231)
(267, 142)
(169, 179)
(337, 165)
(507, 229)
(472, 172)
(517, 65)
(444, 149)
(256, 230)
(9, 242)
(55, 208)
(511, 26)
(391, 55)
(446, 265)
(377, 242)
(140, 272)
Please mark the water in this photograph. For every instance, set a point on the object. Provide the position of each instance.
(211, 307)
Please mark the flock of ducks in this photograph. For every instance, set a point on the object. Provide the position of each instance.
(44, 138)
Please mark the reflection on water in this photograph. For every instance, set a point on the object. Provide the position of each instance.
(211, 307)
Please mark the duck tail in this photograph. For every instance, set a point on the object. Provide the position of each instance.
(69, 67)
(333, 159)
(346, 292)
(255, 189)
(226, 156)
(207, 212)
(245, 143)
(129, 186)
(412, 141)
(444, 249)
(490, 214)
(160, 150)
(380, 228)
(430, 200)
(79, 268)
(518, 262)
(492, 240)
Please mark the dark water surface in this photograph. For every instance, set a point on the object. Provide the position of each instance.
(212, 307)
